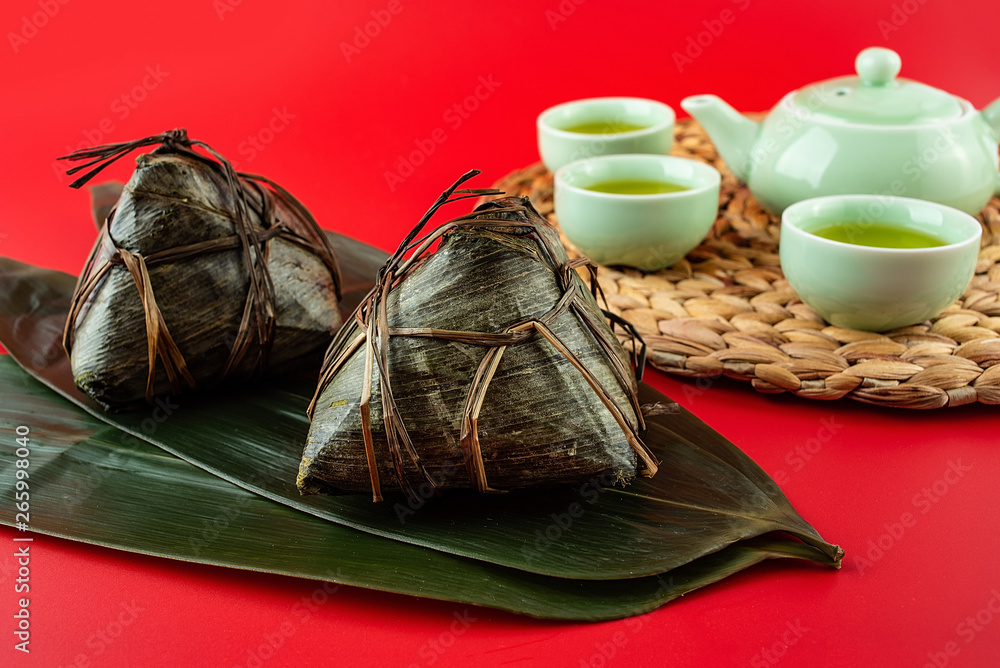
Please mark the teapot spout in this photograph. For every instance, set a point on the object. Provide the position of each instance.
(732, 133)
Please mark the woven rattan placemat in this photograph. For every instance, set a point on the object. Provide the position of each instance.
(727, 309)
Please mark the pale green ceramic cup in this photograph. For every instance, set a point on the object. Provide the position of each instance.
(870, 288)
(648, 232)
(558, 146)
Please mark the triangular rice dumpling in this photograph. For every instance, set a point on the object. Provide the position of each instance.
(489, 365)
(199, 274)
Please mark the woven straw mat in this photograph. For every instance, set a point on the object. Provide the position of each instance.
(727, 309)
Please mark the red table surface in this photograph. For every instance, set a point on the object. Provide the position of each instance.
(298, 91)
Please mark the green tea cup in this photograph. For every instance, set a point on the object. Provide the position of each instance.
(603, 126)
(877, 287)
(633, 224)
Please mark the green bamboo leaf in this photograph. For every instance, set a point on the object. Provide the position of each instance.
(90, 482)
(707, 495)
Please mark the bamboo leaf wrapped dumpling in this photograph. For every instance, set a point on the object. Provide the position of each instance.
(199, 274)
(485, 364)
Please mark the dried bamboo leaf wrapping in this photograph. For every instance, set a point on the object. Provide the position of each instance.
(179, 214)
(541, 422)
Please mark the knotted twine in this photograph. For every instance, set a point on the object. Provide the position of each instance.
(251, 193)
(372, 319)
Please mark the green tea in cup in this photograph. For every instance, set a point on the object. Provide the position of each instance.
(608, 127)
(640, 210)
(877, 262)
(599, 126)
(877, 235)
(636, 187)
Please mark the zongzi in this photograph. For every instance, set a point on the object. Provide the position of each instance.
(485, 363)
(199, 274)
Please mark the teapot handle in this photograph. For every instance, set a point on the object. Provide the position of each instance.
(991, 113)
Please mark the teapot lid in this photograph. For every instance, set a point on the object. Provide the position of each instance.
(876, 96)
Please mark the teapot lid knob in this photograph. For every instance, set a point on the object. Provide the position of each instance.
(877, 66)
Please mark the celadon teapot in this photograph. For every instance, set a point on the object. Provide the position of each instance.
(865, 134)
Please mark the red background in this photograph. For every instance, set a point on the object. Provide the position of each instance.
(227, 69)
